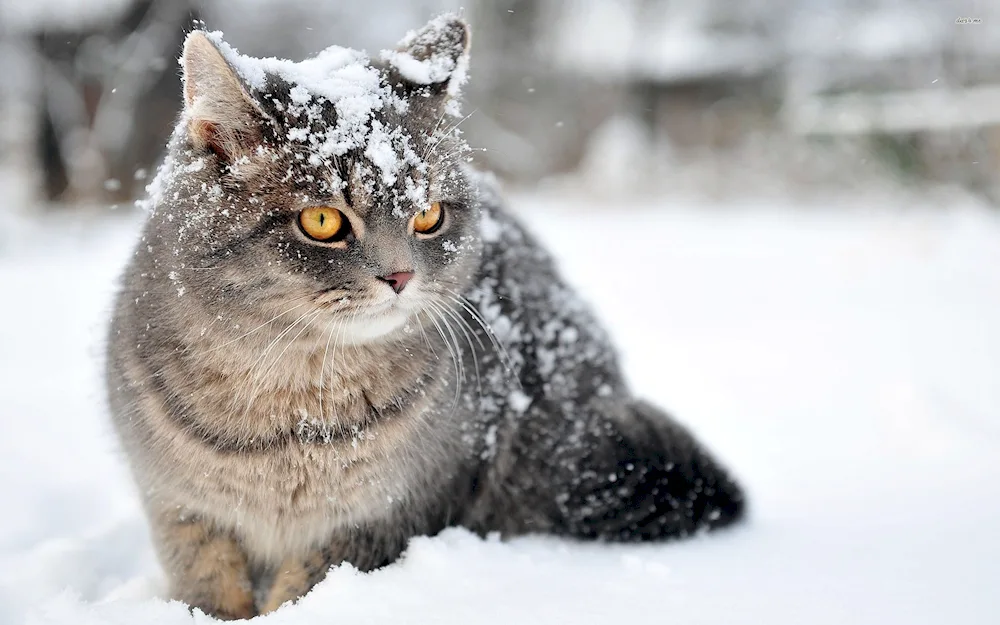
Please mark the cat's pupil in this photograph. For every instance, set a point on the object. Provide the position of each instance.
(322, 219)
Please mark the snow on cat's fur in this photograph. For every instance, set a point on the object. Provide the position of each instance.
(283, 409)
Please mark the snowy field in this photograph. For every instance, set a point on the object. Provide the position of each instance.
(845, 363)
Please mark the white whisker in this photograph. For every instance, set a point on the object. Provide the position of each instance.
(468, 333)
(451, 351)
(322, 369)
(501, 351)
(258, 380)
(261, 326)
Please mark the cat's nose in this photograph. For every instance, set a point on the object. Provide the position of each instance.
(397, 280)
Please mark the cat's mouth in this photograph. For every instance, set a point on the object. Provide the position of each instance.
(365, 325)
(354, 319)
(339, 302)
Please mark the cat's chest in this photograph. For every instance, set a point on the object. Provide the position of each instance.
(291, 458)
(309, 401)
(335, 477)
(322, 456)
(289, 498)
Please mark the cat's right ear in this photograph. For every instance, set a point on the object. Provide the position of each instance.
(432, 60)
(222, 116)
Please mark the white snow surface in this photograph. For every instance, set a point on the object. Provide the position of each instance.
(843, 361)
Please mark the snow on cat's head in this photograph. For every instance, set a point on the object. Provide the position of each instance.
(337, 181)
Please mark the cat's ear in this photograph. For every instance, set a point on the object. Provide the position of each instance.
(435, 56)
(221, 114)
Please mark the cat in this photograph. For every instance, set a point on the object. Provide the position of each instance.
(333, 337)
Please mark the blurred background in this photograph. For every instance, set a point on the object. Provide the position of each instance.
(713, 97)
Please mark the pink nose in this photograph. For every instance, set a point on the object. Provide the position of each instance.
(397, 280)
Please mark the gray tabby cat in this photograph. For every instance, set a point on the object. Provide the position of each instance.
(333, 337)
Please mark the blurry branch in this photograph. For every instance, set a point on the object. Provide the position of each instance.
(139, 64)
(715, 95)
(104, 112)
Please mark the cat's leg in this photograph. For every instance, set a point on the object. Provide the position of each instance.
(206, 567)
(613, 471)
(294, 577)
(365, 548)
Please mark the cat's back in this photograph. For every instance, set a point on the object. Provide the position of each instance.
(548, 333)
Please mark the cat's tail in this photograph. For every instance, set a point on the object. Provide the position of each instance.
(618, 471)
(651, 480)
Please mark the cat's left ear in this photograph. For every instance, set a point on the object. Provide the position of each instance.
(433, 59)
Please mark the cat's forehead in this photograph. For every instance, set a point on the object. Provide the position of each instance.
(340, 116)
(334, 103)
(374, 129)
(359, 146)
(370, 126)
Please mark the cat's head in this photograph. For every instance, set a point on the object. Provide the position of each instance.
(335, 184)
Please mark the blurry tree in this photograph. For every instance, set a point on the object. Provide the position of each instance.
(105, 96)
(815, 91)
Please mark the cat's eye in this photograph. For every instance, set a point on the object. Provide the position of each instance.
(324, 223)
(429, 220)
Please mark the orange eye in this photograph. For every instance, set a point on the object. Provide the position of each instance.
(429, 220)
(324, 223)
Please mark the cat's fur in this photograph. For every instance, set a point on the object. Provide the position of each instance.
(284, 411)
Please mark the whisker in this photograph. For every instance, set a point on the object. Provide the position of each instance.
(261, 326)
(502, 353)
(258, 380)
(451, 352)
(338, 343)
(468, 332)
(251, 370)
(322, 368)
(453, 344)
(460, 149)
(430, 149)
(448, 133)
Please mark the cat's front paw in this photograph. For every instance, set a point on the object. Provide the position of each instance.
(231, 607)
(294, 578)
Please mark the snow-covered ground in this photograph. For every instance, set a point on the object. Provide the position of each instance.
(844, 362)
